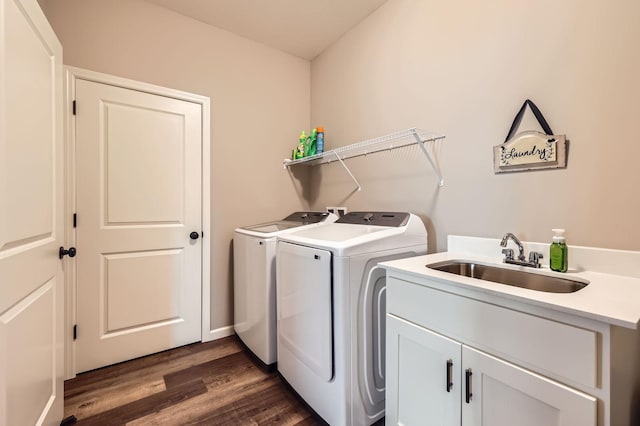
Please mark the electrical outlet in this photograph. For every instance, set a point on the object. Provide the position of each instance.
(338, 211)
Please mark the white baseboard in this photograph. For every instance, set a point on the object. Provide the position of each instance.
(218, 333)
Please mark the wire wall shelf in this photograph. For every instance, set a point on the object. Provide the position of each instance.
(412, 136)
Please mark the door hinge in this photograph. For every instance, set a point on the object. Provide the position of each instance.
(75, 331)
(75, 220)
(74, 107)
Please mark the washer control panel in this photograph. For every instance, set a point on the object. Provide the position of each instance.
(307, 217)
(394, 219)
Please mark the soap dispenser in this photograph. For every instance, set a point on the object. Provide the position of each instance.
(558, 252)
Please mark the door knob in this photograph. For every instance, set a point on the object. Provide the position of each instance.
(71, 252)
(194, 235)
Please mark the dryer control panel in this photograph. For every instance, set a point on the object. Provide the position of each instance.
(394, 219)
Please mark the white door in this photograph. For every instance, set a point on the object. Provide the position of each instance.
(501, 392)
(31, 221)
(139, 222)
(423, 376)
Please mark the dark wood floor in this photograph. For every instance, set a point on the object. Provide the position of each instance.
(214, 383)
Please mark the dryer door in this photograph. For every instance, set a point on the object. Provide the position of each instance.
(305, 325)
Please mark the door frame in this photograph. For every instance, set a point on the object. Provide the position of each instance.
(71, 75)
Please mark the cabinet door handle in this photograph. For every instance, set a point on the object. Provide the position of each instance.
(468, 393)
(449, 374)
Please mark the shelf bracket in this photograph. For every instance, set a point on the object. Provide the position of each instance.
(358, 187)
(436, 169)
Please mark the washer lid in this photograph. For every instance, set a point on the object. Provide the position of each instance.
(362, 233)
(294, 220)
(338, 233)
(268, 228)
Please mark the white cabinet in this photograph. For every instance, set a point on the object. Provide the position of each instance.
(503, 394)
(450, 361)
(423, 376)
(438, 381)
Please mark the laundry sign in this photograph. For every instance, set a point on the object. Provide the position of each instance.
(530, 150)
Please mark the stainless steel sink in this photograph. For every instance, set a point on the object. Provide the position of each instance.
(512, 277)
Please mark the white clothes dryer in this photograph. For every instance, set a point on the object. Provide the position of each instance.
(331, 310)
(254, 287)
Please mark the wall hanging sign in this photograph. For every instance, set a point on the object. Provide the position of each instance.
(530, 150)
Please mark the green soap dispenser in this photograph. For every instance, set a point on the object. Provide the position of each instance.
(558, 252)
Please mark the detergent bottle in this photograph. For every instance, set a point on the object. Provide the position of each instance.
(301, 142)
(310, 144)
(320, 140)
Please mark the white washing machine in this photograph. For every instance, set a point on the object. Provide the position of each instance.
(331, 310)
(254, 287)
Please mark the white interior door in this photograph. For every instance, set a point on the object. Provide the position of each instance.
(31, 222)
(138, 178)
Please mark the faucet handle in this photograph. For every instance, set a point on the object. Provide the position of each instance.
(534, 258)
(508, 253)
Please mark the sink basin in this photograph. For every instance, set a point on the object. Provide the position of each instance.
(512, 277)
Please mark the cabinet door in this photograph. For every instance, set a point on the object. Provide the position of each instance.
(423, 376)
(503, 394)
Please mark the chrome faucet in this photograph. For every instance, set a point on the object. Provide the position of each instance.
(515, 239)
(534, 257)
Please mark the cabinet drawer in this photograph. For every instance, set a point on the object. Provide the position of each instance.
(531, 341)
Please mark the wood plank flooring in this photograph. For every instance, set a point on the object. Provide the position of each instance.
(214, 383)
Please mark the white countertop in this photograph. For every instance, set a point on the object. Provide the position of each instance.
(609, 298)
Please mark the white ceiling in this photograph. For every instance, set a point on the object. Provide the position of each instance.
(301, 27)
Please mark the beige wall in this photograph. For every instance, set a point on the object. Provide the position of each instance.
(464, 68)
(259, 103)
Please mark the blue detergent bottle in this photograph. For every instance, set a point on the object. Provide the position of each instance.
(320, 139)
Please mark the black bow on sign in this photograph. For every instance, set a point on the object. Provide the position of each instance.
(536, 112)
